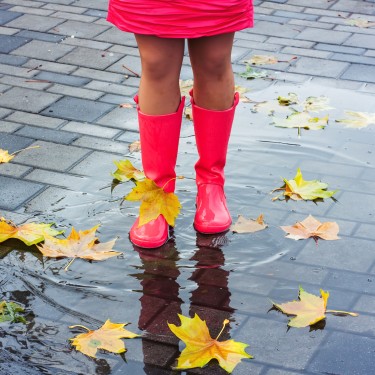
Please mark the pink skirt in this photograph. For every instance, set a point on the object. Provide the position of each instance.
(181, 18)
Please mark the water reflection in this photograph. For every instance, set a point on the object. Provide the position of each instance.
(161, 300)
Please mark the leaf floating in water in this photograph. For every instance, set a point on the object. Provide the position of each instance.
(309, 310)
(301, 120)
(244, 225)
(9, 312)
(358, 119)
(126, 171)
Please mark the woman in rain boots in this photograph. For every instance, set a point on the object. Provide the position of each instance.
(160, 28)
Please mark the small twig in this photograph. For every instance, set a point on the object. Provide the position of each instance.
(37, 81)
(36, 68)
(69, 264)
(136, 74)
(24, 149)
(80, 326)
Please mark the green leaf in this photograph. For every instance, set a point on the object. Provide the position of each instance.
(252, 73)
(8, 312)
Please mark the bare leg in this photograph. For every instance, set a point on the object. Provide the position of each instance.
(159, 91)
(213, 76)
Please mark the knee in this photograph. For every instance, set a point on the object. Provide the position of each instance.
(213, 67)
(157, 67)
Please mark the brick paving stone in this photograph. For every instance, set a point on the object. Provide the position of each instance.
(90, 58)
(276, 30)
(114, 99)
(49, 66)
(22, 82)
(112, 88)
(355, 357)
(366, 231)
(365, 304)
(291, 42)
(295, 15)
(14, 216)
(306, 52)
(14, 143)
(9, 127)
(116, 36)
(14, 193)
(75, 91)
(358, 40)
(132, 62)
(13, 170)
(353, 58)
(4, 112)
(129, 137)
(35, 22)
(37, 35)
(340, 48)
(321, 4)
(7, 16)
(12, 60)
(317, 24)
(79, 29)
(62, 78)
(320, 67)
(87, 43)
(8, 31)
(102, 144)
(43, 50)
(320, 35)
(52, 156)
(354, 6)
(94, 162)
(34, 119)
(358, 72)
(91, 129)
(71, 108)
(99, 75)
(94, 4)
(29, 10)
(75, 17)
(50, 135)
(65, 8)
(9, 43)
(120, 119)
(27, 100)
(16, 71)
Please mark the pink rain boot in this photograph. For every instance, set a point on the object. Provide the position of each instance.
(212, 132)
(159, 145)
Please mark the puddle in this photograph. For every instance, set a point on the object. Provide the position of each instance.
(226, 276)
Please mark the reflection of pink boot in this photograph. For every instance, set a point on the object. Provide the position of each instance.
(159, 145)
(212, 132)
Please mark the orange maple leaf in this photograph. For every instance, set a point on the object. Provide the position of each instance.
(309, 310)
(107, 337)
(154, 202)
(82, 244)
(29, 233)
(201, 347)
(310, 227)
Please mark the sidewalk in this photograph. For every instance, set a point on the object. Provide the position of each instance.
(64, 71)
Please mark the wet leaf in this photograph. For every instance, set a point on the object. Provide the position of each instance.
(252, 73)
(201, 347)
(311, 227)
(154, 202)
(29, 233)
(299, 189)
(107, 337)
(358, 119)
(9, 312)
(244, 225)
(5, 157)
(316, 104)
(359, 22)
(292, 98)
(81, 244)
(301, 120)
(241, 91)
(309, 310)
(261, 60)
(135, 146)
(126, 171)
(188, 112)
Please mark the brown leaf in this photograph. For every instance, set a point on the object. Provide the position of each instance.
(244, 225)
(135, 146)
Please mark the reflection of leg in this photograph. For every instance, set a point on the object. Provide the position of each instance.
(211, 299)
(159, 114)
(213, 102)
(160, 304)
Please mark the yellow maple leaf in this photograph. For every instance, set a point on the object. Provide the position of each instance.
(126, 171)
(301, 120)
(358, 119)
(29, 233)
(310, 227)
(201, 347)
(82, 244)
(309, 310)
(5, 157)
(244, 225)
(107, 337)
(300, 189)
(154, 202)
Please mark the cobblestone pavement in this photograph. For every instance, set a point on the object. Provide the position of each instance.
(64, 70)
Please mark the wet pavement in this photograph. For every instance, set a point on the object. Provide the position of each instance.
(62, 78)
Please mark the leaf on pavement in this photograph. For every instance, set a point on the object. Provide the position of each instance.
(188, 112)
(359, 22)
(358, 119)
(292, 98)
(300, 189)
(107, 337)
(135, 146)
(244, 225)
(301, 120)
(29, 233)
(309, 309)
(252, 73)
(5, 157)
(242, 91)
(201, 347)
(9, 312)
(311, 227)
(186, 86)
(126, 171)
(81, 244)
(154, 202)
(316, 104)
(265, 60)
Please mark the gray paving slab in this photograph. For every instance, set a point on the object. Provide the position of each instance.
(90, 58)
(52, 156)
(75, 91)
(102, 144)
(9, 43)
(14, 193)
(70, 108)
(12, 143)
(12, 60)
(120, 119)
(362, 7)
(359, 72)
(27, 100)
(35, 22)
(13, 170)
(79, 29)
(7, 16)
(320, 67)
(62, 78)
(37, 35)
(362, 41)
(34, 119)
(91, 129)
